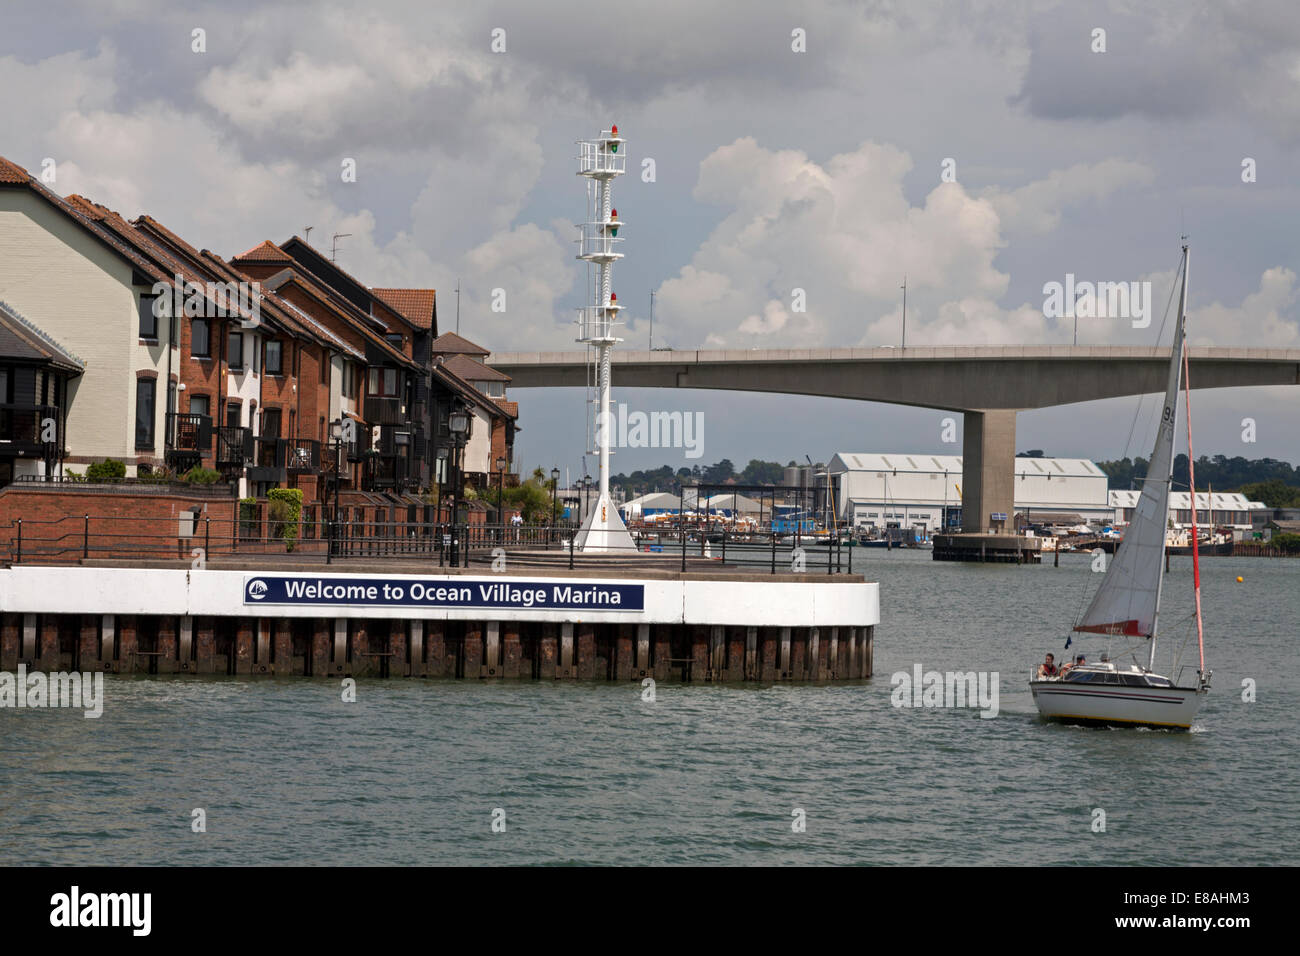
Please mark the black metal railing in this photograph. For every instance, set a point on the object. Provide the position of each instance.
(269, 452)
(303, 456)
(253, 531)
(123, 486)
(234, 447)
(189, 433)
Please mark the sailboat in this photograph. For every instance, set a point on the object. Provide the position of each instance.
(1127, 603)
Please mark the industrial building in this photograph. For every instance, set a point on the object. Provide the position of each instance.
(1213, 509)
(924, 491)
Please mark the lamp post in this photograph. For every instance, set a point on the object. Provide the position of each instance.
(458, 425)
(336, 432)
(444, 454)
(501, 490)
(555, 484)
(586, 488)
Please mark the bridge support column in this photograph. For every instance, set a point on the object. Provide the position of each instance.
(988, 469)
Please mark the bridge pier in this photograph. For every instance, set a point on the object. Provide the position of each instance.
(988, 469)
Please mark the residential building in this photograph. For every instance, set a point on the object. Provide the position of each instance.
(36, 373)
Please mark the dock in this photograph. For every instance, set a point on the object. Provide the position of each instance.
(989, 548)
(616, 620)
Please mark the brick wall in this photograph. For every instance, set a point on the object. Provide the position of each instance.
(54, 526)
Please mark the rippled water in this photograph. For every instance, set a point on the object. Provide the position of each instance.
(412, 771)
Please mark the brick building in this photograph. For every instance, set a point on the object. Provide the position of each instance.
(169, 357)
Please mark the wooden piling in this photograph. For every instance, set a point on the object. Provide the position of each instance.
(511, 650)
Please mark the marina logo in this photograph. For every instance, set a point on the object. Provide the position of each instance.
(73, 909)
(60, 689)
(1101, 300)
(639, 429)
(950, 689)
(212, 300)
(257, 589)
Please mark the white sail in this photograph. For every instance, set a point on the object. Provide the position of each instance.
(1129, 597)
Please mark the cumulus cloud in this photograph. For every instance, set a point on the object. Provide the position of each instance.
(845, 234)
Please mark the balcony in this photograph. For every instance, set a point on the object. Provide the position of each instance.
(234, 448)
(389, 472)
(303, 456)
(384, 411)
(21, 427)
(268, 464)
(189, 439)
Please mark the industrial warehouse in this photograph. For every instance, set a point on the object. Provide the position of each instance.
(924, 491)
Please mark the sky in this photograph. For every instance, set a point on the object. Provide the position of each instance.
(981, 150)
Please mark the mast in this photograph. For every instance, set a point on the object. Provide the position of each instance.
(1179, 354)
(600, 160)
(1191, 482)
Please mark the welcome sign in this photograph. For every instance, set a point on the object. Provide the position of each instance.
(442, 593)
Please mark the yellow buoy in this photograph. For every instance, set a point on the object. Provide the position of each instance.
(1240, 579)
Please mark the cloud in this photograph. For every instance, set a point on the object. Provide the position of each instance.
(1200, 58)
(1036, 208)
(845, 234)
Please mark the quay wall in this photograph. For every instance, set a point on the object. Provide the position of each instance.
(173, 621)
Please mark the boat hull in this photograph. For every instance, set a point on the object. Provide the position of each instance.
(1117, 705)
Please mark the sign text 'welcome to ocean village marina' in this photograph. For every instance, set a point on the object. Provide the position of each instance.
(404, 592)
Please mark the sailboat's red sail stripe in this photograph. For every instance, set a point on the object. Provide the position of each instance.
(1130, 628)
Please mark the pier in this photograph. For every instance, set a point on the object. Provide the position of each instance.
(992, 548)
(381, 619)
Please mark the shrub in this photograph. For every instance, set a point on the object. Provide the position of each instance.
(248, 518)
(198, 475)
(286, 514)
(107, 470)
(1288, 543)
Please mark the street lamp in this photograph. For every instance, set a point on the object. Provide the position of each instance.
(501, 488)
(336, 432)
(555, 483)
(586, 489)
(458, 425)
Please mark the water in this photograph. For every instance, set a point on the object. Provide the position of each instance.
(411, 773)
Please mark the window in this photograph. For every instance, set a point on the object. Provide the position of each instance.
(200, 405)
(271, 423)
(349, 384)
(4, 384)
(235, 351)
(257, 354)
(148, 320)
(200, 338)
(274, 359)
(395, 340)
(145, 399)
(383, 381)
(232, 415)
(492, 389)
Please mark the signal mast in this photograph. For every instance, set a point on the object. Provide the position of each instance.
(600, 160)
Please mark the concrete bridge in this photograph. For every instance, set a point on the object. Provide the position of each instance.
(987, 384)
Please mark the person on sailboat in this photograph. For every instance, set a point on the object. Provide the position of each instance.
(1047, 668)
(1068, 666)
